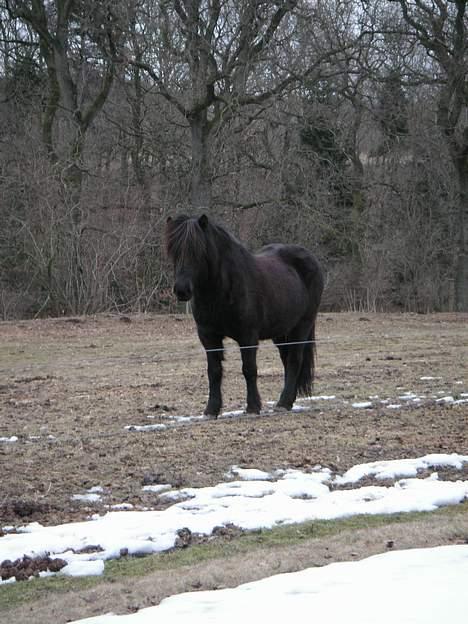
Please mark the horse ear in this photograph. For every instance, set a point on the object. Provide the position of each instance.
(203, 221)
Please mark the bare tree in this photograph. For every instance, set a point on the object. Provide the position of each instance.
(76, 43)
(441, 28)
(220, 57)
(66, 28)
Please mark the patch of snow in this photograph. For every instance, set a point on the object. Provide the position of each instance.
(296, 408)
(401, 467)
(30, 528)
(93, 495)
(233, 414)
(320, 475)
(157, 488)
(157, 427)
(83, 568)
(86, 498)
(446, 399)
(408, 396)
(186, 419)
(179, 495)
(249, 474)
(121, 507)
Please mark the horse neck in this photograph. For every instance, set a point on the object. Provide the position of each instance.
(234, 255)
(231, 267)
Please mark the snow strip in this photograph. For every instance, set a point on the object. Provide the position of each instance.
(419, 586)
(290, 496)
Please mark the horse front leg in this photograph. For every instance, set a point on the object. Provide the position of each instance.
(214, 355)
(249, 370)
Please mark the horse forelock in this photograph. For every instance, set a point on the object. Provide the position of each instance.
(185, 239)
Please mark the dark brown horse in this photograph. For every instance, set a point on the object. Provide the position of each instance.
(248, 297)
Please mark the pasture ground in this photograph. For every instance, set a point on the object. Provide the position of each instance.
(69, 387)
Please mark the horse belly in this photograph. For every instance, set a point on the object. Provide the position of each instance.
(280, 323)
(285, 304)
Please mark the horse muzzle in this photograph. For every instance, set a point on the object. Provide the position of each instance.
(183, 291)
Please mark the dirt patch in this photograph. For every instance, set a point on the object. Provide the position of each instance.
(26, 567)
(70, 388)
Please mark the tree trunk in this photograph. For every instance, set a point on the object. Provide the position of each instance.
(72, 191)
(461, 265)
(137, 108)
(201, 173)
(138, 142)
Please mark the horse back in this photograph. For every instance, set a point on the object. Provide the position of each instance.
(301, 260)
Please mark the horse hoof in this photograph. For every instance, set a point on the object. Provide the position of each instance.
(281, 409)
(253, 410)
(209, 416)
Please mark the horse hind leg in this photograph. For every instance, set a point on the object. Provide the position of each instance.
(305, 379)
(292, 367)
(298, 365)
(283, 351)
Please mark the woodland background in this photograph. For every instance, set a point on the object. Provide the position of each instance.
(340, 124)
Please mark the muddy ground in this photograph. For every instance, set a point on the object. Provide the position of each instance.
(70, 387)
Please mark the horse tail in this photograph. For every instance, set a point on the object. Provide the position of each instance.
(306, 374)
